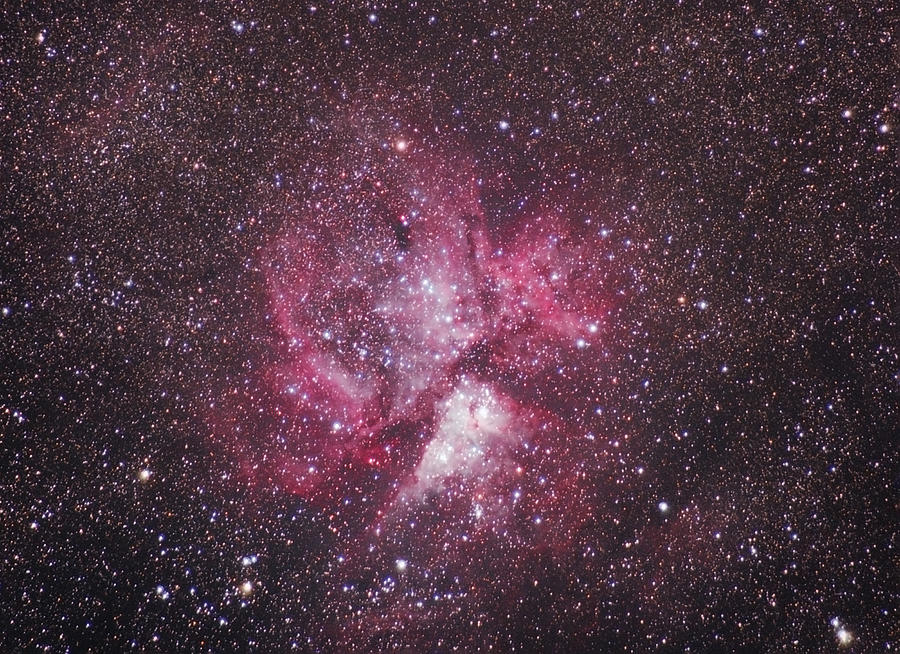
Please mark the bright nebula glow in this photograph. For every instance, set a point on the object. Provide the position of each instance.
(472, 435)
(433, 367)
(418, 354)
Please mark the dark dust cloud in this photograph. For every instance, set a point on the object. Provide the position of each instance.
(449, 327)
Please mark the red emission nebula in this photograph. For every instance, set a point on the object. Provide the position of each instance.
(434, 372)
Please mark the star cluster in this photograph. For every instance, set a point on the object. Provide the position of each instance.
(435, 327)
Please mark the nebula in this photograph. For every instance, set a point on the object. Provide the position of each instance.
(432, 358)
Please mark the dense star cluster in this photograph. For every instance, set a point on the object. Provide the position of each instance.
(449, 327)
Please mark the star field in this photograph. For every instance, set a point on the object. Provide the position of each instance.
(449, 327)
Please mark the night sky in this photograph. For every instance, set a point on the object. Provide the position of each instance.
(449, 327)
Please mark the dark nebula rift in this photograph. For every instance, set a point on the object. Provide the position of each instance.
(461, 327)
